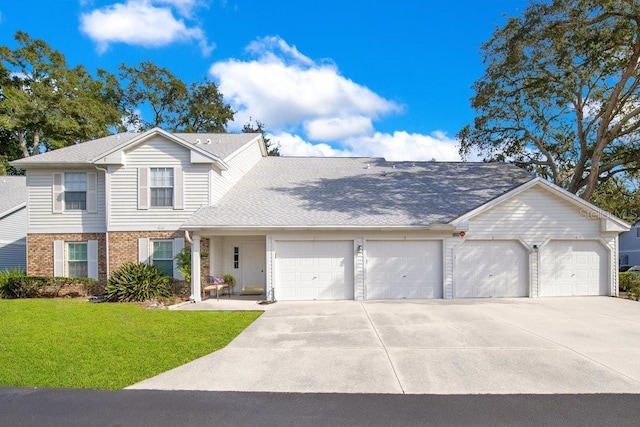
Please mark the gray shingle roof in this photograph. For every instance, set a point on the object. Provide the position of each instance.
(13, 193)
(222, 145)
(343, 192)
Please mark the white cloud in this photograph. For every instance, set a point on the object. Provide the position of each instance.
(337, 128)
(141, 22)
(283, 88)
(295, 146)
(398, 146)
(310, 109)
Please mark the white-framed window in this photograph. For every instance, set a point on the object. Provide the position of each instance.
(162, 256)
(77, 259)
(161, 187)
(75, 191)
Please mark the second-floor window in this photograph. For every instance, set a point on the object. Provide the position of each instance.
(161, 186)
(75, 191)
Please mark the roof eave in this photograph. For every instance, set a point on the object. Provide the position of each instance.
(12, 210)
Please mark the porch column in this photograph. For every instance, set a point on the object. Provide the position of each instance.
(196, 293)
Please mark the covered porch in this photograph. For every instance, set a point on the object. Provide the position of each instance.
(242, 256)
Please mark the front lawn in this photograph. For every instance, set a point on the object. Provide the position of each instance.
(73, 343)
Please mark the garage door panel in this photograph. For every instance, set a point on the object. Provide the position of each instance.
(572, 268)
(310, 270)
(491, 269)
(403, 269)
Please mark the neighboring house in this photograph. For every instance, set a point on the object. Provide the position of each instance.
(313, 228)
(630, 246)
(13, 223)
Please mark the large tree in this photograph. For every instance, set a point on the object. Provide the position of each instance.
(173, 105)
(45, 104)
(560, 94)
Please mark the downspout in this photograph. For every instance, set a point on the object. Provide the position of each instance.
(107, 214)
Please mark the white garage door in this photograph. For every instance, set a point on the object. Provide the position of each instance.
(573, 268)
(317, 270)
(404, 269)
(491, 269)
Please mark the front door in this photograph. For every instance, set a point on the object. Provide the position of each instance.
(252, 265)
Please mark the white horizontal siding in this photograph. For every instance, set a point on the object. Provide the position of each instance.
(533, 216)
(158, 152)
(13, 240)
(40, 202)
(239, 164)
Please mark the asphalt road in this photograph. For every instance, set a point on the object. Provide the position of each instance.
(65, 407)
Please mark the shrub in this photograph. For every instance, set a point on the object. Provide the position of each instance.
(16, 284)
(137, 282)
(628, 280)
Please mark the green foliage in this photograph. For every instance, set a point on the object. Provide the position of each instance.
(76, 344)
(183, 263)
(45, 104)
(175, 107)
(560, 93)
(16, 284)
(137, 282)
(259, 127)
(629, 281)
(229, 280)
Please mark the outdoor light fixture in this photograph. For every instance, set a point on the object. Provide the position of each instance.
(359, 248)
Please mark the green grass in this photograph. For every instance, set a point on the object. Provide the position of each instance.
(72, 343)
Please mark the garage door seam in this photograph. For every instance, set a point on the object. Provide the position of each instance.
(571, 350)
(393, 368)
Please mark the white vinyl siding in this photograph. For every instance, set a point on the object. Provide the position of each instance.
(44, 198)
(533, 216)
(13, 240)
(130, 185)
(239, 164)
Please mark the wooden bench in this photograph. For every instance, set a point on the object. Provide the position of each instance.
(214, 285)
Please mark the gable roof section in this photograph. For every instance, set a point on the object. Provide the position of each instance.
(558, 191)
(221, 147)
(286, 192)
(13, 194)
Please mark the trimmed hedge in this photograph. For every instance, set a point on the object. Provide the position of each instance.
(629, 282)
(21, 286)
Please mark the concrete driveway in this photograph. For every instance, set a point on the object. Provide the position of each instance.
(546, 345)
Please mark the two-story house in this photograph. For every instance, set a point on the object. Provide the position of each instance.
(313, 228)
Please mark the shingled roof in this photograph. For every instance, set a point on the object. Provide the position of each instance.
(13, 194)
(220, 145)
(356, 192)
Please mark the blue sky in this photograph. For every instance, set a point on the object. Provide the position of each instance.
(367, 78)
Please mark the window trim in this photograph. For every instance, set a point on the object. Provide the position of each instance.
(152, 251)
(165, 187)
(68, 259)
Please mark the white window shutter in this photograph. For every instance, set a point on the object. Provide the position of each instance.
(58, 193)
(58, 258)
(92, 259)
(178, 188)
(143, 250)
(92, 192)
(178, 246)
(143, 188)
